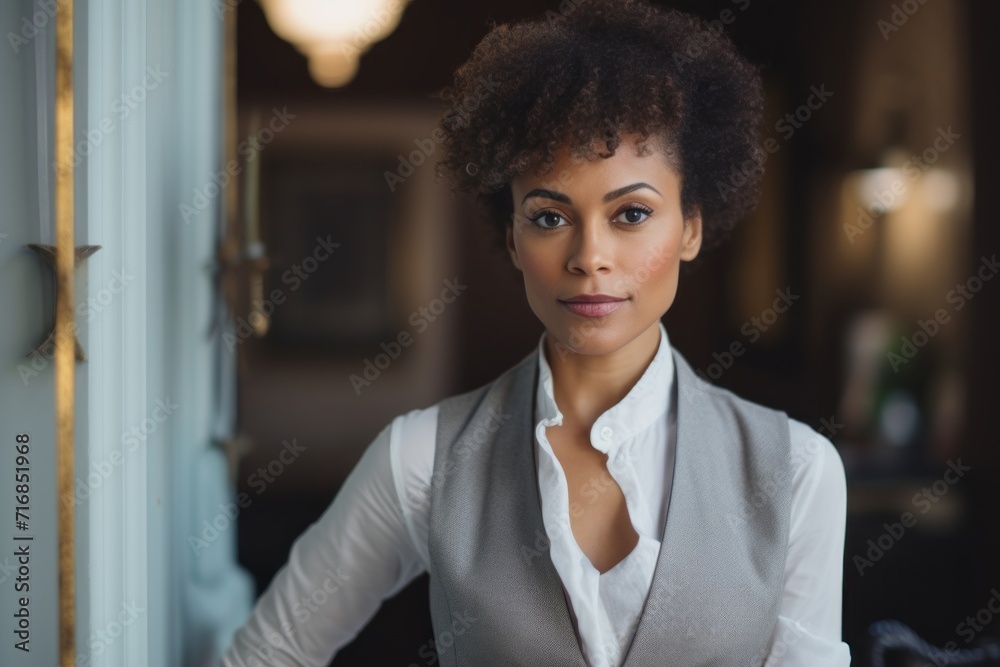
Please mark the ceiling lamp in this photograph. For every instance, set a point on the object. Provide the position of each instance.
(333, 34)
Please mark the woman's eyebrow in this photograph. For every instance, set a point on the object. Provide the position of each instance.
(548, 194)
(614, 194)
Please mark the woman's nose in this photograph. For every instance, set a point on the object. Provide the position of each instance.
(590, 251)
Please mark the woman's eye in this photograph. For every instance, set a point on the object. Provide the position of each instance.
(547, 220)
(633, 215)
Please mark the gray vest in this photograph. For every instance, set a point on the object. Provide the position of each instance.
(495, 596)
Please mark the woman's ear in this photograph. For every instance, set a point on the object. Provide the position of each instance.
(691, 240)
(510, 246)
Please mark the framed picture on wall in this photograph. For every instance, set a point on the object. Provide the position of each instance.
(347, 224)
(328, 233)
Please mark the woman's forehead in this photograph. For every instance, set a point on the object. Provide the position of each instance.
(627, 165)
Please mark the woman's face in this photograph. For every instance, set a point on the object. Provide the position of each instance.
(599, 244)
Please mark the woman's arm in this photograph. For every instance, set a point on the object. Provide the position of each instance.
(359, 552)
(808, 633)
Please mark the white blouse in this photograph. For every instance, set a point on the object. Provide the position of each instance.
(372, 539)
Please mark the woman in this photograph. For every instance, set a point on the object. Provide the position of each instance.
(597, 504)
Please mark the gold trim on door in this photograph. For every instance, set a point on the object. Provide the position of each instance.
(65, 347)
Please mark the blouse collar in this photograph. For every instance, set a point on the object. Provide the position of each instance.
(643, 404)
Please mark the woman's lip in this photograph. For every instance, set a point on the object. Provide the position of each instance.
(592, 308)
(592, 298)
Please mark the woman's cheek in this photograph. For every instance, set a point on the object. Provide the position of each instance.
(540, 268)
(654, 264)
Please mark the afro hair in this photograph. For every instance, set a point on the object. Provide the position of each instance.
(598, 70)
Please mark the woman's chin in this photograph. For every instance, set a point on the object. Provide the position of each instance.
(591, 339)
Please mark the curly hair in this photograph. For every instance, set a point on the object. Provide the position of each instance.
(596, 71)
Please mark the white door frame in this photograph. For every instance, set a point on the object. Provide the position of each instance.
(149, 92)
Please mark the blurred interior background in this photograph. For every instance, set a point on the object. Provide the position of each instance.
(879, 215)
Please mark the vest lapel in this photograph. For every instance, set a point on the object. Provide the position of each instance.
(709, 596)
(664, 579)
(515, 451)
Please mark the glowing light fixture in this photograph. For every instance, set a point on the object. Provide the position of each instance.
(901, 178)
(333, 34)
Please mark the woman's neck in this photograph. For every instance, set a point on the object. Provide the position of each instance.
(585, 385)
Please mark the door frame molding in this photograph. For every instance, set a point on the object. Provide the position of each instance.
(151, 72)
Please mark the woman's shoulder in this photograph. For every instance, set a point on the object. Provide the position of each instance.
(811, 452)
(697, 386)
(817, 468)
(816, 471)
(411, 442)
(413, 434)
(519, 370)
(419, 422)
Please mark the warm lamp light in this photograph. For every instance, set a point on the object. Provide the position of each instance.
(899, 179)
(333, 34)
(882, 188)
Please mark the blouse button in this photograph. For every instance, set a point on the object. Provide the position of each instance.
(606, 433)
